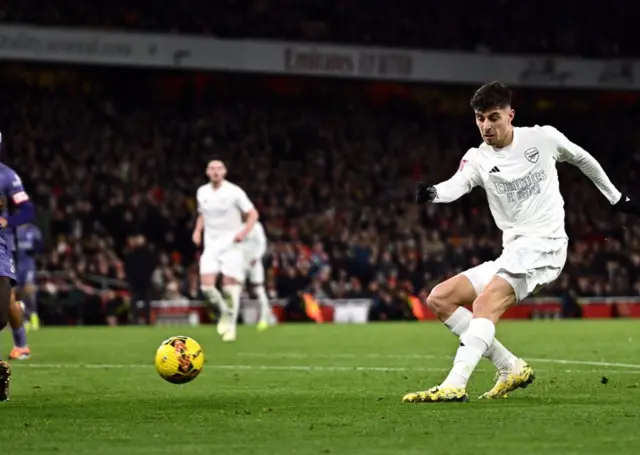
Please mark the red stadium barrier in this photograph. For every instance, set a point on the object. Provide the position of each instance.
(357, 310)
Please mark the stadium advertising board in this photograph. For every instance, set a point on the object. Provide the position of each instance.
(202, 53)
(348, 62)
(81, 46)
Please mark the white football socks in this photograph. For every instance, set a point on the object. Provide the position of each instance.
(501, 357)
(214, 297)
(474, 343)
(459, 321)
(265, 309)
(233, 291)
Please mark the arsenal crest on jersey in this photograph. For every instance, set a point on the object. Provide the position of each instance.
(532, 154)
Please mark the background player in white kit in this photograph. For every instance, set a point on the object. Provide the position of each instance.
(255, 246)
(221, 208)
(517, 169)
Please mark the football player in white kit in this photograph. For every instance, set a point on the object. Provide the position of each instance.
(221, 208)
(516, 166)
(255, 246)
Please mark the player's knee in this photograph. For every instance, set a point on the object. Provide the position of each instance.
(229, 281)
(207, 281)
(15, 315)
(442, 300)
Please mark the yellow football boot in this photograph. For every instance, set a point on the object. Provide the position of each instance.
(262, 326)
(437, 394)
(34, 322)
(520, 377)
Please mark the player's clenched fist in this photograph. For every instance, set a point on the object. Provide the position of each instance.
(626, 205)
(425, 192)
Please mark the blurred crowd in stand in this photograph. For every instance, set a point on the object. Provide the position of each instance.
(113, 171)
(531, 28)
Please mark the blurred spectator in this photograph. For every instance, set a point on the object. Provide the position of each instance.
(140, 263)
(116, 308)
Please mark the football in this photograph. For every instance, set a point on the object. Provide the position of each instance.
(179, 360)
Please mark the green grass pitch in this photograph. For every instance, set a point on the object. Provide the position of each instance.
(323, 389)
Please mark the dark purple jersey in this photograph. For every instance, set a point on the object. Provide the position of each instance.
(14, 194)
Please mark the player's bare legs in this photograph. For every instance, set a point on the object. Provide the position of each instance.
(447, 301)
(20, 349)
(213, 296)
(5, 303)
(16, 316)
(488, 307)
(492, 302)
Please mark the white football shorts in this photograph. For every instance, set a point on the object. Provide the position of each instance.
(526, 263)
(254, 272)
(228, 261)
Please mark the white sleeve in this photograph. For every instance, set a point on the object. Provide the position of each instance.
(243, 202)
(574, 154)
(461, 183)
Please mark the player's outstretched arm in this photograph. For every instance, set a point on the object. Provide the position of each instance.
(450, 190)
(574, 154)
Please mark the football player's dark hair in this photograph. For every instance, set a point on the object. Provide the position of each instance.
(492, 95)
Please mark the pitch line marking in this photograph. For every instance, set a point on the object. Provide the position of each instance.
(295, 355)
(306, 368)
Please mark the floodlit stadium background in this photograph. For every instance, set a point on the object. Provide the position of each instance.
(327, 116)
(327, 113)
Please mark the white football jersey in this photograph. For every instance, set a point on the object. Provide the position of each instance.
(255, 244)
(222, 210)
(521, 181)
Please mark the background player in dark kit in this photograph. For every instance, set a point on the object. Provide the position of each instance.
(12, 191)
